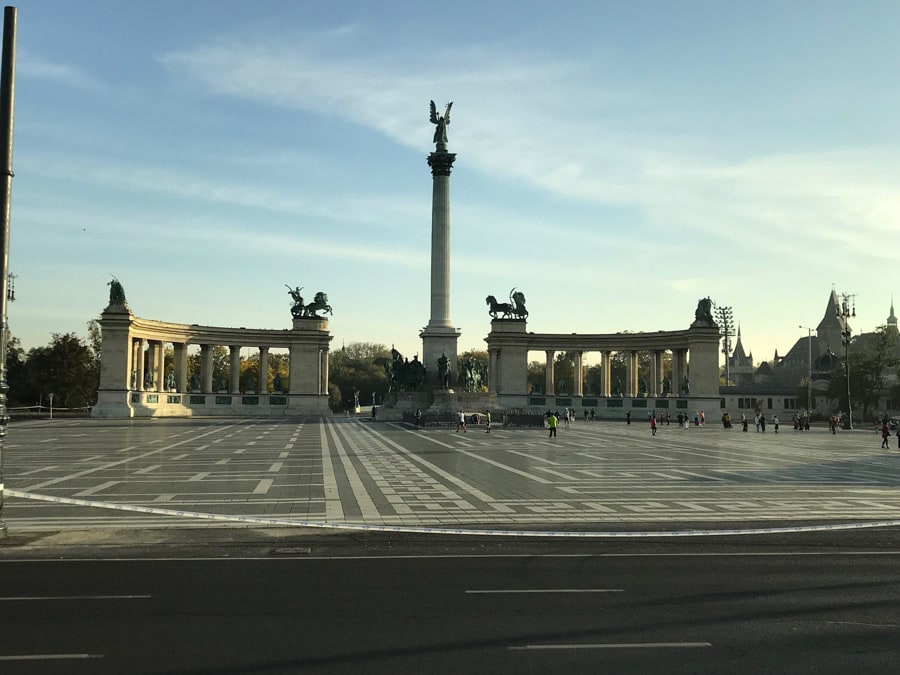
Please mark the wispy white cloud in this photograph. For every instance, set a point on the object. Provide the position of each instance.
(28, 66)
(508, 103)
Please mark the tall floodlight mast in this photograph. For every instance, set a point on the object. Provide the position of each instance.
(725, 319)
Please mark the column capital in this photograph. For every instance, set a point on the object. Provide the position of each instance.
(441, 163)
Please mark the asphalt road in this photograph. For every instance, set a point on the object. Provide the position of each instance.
(821, 604)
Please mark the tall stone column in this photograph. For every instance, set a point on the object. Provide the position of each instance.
(263, 387)
(631, 378)
(605, 370)
(181, 361)
(439, 337)
(549, 379)
(235, 358)
(578, 388)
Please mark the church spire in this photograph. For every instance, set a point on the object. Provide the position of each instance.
(892, 320)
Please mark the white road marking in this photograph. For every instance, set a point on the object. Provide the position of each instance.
(48, 657)
(547, 590)
(621, 645)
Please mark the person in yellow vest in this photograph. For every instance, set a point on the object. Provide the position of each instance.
(552, 422)
(487, 420)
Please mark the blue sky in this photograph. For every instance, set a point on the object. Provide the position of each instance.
(616, 161)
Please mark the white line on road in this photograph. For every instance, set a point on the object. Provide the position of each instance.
(622, 645)
(549, 590)
(18, 598)
(48, 657)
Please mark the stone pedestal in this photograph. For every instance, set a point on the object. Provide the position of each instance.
(115, 367)
(308, 393)
(508, 353)
(704, 362)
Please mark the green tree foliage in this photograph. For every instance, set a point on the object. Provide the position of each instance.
(536, 376)
(869, 362)
(67, 368)
(358, 366)
(20, 392)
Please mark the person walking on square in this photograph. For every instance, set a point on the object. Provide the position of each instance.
(628, 417)
(418, 417)
(653, 426)
(775, 422)
(461, 422)
(762, 422)
(744, 421)
(885, 435)
(552, 423)
(487, 421)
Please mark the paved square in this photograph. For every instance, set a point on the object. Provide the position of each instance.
(352, 470)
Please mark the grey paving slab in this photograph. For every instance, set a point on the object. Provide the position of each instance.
(344, 470)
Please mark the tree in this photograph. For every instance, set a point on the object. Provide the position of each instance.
(869, 361)
(536, 376)
(357, 367)
(20, 390)
(68, 368)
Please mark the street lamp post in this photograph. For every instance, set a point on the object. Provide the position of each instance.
(844, 312)
(809, 370)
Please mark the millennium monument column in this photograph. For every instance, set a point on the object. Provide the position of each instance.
(439, 337)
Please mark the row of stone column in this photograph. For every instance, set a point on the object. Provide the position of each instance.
(631, 385)
(149, 374)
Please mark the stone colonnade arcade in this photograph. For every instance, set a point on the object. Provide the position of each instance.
(696, 349)
(133, 384)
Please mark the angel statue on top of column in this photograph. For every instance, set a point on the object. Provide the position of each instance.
(440, 133)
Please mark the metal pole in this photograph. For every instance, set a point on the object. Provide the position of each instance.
(847, 363)
(809, 332)
(7, 101)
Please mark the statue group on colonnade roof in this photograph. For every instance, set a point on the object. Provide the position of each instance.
(299, 310)
(514, 309)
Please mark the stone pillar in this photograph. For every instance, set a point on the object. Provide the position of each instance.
(493, 360)
(323, 369)
(206, 369)
(679, 370)
(181, 369)
(631, 375)
(578, 388)
(235, 368)
(655, 370)
(605, 368)
(116, 364)
(309, 367)
(704, 372)
(439, 337)
(160, 374)
(263, 387)
(509, 343)
(137, 365)
(550, 375)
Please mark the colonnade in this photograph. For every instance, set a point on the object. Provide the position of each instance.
(133, 369)
(696, 349)
(631, 385)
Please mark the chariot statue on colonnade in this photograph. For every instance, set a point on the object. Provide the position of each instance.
(299, 310)
(514, 309)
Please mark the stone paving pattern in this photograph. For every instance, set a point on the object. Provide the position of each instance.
(353, 470)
